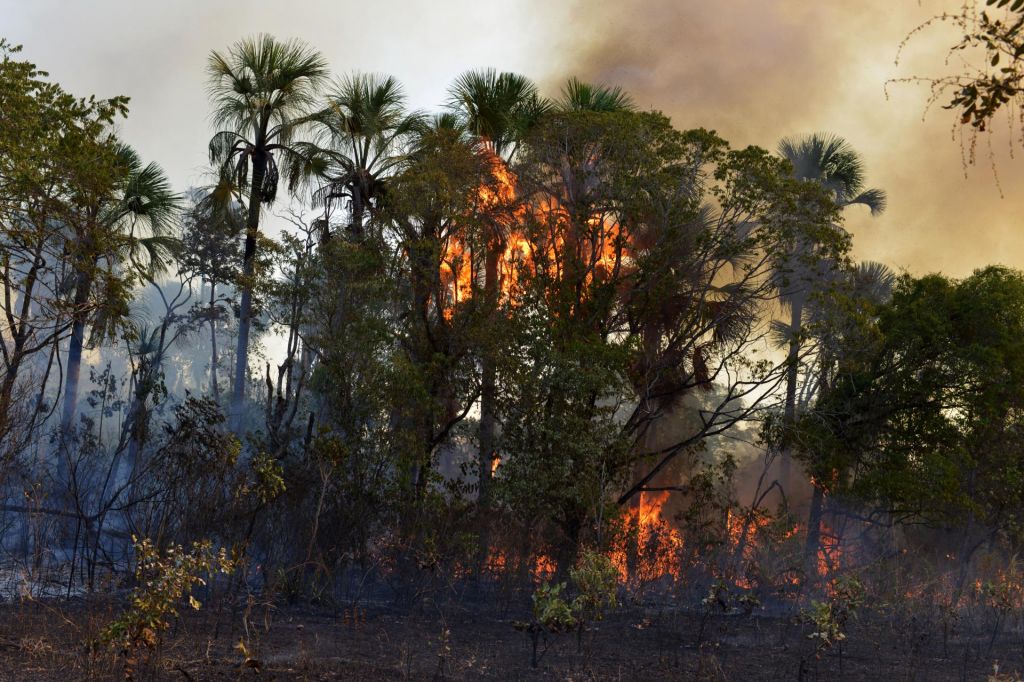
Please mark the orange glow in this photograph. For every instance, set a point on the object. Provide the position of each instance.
(830, 554)
(744, 540)
(593, 254)
(496, 561)
(652, 547)
(456, 275)
(544, 568)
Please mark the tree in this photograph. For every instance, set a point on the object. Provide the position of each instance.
(831, 163)
(498, 109)
(52, 155)
(440, 200)
(363, 133)
(580, 96)
(263, 92)
(117, 231)
(645, 271)
(990, 76)
(922, 420)
(210, 251)
(840, 316)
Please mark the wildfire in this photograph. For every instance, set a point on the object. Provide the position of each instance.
(652, 546)
(560, 250)
(830, 553)
(544, 568)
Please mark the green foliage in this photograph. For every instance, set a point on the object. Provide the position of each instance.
(924, 413)
(267, 481)
(551, 611)
(829, 618)
(596, 579)
(164, 579)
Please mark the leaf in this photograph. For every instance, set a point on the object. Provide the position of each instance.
(194, 603)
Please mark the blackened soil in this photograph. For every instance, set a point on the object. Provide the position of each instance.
(47, 641)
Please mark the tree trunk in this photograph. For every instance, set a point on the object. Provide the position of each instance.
(792, 376)
(214, 386)
(252, 227)
(83, 288)
(813, 533)
(488, 387)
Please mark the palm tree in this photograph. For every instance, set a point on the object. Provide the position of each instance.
(362, 136)
(832, 163)
(263, 91)
(580, 96)
(124, 228)
(497, 109)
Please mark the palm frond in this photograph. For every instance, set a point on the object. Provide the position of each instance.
(496, 107)
(580, 96)
(874, 199)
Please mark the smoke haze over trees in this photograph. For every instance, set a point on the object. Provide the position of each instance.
(538, 345)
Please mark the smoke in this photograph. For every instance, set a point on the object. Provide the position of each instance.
(757, 71)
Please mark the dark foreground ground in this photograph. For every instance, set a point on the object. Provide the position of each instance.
(47, 641)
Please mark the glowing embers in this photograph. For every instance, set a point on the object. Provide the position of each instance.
(540, 567)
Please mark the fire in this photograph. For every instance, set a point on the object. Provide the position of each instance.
(652, 546)
(544, 568)
(541, 567)
(649, 512)
(456, 275)
(593, 251)
(830, 554)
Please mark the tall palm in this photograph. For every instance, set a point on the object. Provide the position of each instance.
(263, 93)
(123, 229)
(580, 96)
(362, 135)
(831, 162)
(497, 109)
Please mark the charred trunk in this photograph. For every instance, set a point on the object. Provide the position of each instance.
(792, 376)
(252, 227)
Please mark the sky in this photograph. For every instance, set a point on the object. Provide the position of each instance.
(754, 70)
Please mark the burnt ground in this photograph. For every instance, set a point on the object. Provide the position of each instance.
(47, 641)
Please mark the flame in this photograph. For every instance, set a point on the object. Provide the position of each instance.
(495, 463)
(652, 547)
(744, 533)
(830, 553)
(544, 568)
(599, 248)
(456, 275)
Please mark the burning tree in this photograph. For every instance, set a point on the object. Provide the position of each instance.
(644, 281)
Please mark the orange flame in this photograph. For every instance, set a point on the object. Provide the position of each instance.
(652, 547)
(599, 248)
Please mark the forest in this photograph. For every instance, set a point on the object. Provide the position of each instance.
(529, 386)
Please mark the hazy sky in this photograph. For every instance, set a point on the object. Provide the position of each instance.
(755, 70)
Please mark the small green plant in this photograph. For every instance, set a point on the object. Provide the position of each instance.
(163, 581)
(551, 613)
(268, 478)
(829, 618)
(595, 580)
